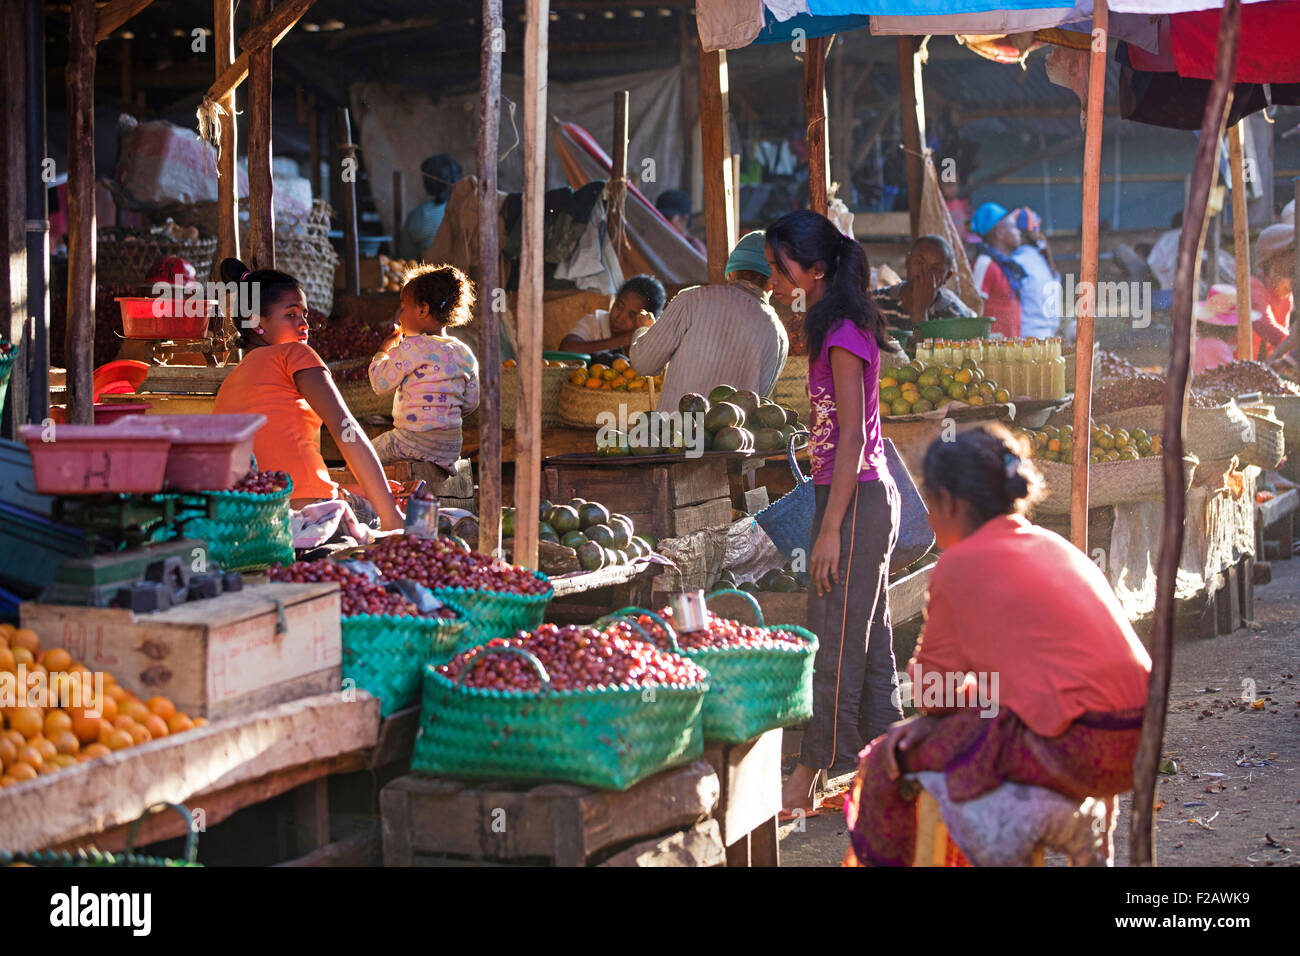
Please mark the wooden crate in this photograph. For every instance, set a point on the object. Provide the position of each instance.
(663, 500)
(750, 778)
(216, 658)
(433, 821)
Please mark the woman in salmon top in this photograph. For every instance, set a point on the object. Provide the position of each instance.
(1048, 678)
(283, 378)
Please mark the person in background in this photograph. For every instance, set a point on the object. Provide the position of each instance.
(713, 335)
(1040, 312)
(997, 275)
(930, 264)
(1216, 338)
(675, 206)
(1017, 602)
(439, 174)
(1270, 290)
(432, 376)
(282, 377)
(855, 526)
(959, 208)
(638, 304)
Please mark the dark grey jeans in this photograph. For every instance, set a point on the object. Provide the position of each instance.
(854, 677)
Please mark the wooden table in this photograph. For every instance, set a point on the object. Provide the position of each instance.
(582, 598)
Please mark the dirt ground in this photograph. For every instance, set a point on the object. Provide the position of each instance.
(1238, 766)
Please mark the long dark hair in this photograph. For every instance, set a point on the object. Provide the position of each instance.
(272, 287)
(987, 467)
(807, 237)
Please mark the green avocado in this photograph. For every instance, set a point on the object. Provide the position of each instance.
(723, 415)
(748, 402)
(591, 556)
(592, 513)
(771, 415)
(602, 534)
(729, 439)
(574, 540)
(721, 394)
(546, 533)
(693, 403)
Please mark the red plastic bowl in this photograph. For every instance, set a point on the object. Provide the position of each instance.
(145, 317)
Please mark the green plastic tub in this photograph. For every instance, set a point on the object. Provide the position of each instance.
(966, 328)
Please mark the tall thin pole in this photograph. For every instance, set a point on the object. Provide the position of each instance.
(1240, 240)
(38, 220)
(1204, 170)
(490, 295)
(79, 342)
(13, 202)
(814, 106)
(348, 191)
(618, 175)
(1086, 305)
(227, 170)
(910, 91)
(261, 189)
(715, 129)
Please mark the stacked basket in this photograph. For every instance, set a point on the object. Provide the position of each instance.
(124, 257)
(1109, 482)
(581, 407)
(244, 532)
(495, 613)
(385, 655)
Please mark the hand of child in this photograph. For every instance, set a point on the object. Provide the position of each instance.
(644, 319)
(392, 339)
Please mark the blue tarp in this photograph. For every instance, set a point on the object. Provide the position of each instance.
(923, 8)
(775, 31)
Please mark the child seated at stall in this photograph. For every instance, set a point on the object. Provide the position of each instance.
(433, 376)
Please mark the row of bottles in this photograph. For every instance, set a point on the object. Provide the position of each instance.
(1025, 367)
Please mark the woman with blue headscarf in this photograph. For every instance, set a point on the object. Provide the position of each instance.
(997, 275)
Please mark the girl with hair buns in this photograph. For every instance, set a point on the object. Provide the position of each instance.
(1015, 610)
(822, 273)
(282, 377)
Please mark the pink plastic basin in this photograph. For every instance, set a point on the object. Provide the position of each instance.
(154, 318)
(97, 459)
(108, 412)
(208, 453)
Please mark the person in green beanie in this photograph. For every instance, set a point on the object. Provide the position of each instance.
(712, 335)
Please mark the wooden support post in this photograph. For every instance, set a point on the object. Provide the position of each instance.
(814, 107)
(37, 224)
(399, 206)
(347, 183)
(313, 146)
(1240, 240)
(618, 174)
(1142, 849)
(261, 190)
(715, 127)
(489, 409)
(13, 205)
(528, 420)
(841, 132)
(115, 13)
(911, 92)
(1086, 305)
(227, 160)
(79, 343)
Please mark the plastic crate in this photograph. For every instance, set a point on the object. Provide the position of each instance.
(94, 459)
(210, 453)
(31, 549)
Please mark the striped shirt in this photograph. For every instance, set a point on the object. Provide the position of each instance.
(712, 335)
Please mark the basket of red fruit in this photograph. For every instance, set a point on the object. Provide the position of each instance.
(386, 639)
(246, 527)
(571, 704)
(502, 599)
(760, 676)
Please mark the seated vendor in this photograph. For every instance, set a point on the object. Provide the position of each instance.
(930, 264)
(282, 377)
(638, 304)
(1055, 679)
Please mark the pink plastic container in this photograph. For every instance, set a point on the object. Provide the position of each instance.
(208, 452)
(141, 321)
(108, 412)
(97, 459)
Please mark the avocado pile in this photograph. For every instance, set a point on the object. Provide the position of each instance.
(741, 421)
(600, 539)
(780, 580)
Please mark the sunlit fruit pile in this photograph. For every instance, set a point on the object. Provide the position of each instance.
(1240, 378)
(441, 563)
(337, 339)
(359, 595)
(43, 740)
(393, 272)
(728, 420)
(576, 658)
(598, 538)
(262, 483)
(779, 580)
(1108, 444)
(618, 376)
(915, 388)
(550, 363)
(721, 632)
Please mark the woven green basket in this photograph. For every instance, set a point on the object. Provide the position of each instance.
(609, 738)
(6, 366)
(385, 655)
(495, 613)
(244, 532)
(127, 858)
(751, 689)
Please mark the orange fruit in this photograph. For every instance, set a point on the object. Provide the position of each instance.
(17, 738)
(109, 679)
(161, 706)
(117, 692)
(594, 382)
(105, 728)
(22, 771)
(28, 721)
(23, 656)
(57, 659)
(46, 769)
(135, 710)
(8, 751)
(64, 760)
(118, 740)
(7, 781)
(45, 746)
(139, 734)
(200, 721)
(93, 751)
(7, 660)
(179, 723)
(55, 721)
(31, 756)
(65, 742)
(109, 706)
(156, 726)
(26, 637)
(81, 668)
(85, 728)
(123, 722)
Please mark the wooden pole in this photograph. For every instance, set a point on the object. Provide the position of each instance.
(347, 183)
(115, 13)
(263, 36)
(489, 409)
(841, 130)
(1086, 304)
(227, 168)
(313, 146)
(13, 206)
(618, 174)
(911, 92)
(715, 127)
(814, 107)
(37, 224)
(79, 342)
(1240, 239)
(261, 189)
(1142, 851)
(399, 205)
(528, 421)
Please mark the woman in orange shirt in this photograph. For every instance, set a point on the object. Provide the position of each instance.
(1027, 671)
(283, 378)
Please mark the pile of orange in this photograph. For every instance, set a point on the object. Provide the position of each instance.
(618, 376)
(43, 740)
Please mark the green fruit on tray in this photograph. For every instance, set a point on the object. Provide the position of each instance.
(768, 439)
(727, 578)
(720, 394)
(905, 374)
(577, 502)
(546, 533)
(574, 540)
(642, 449)
(544, 507)
(591, 513)
(602, 534)
(791, 417)
(723, 415)
(562, 518)
(591, 556)
(765, 582)
(748, 402)
(729, 439)
(623, 556)
(784, 584)
(749, 587)
(693, 403)
(622, 537)
(933, 394)
(771, 415)
(647, 544)
(625, 521)
(611, 557)
(900, 406)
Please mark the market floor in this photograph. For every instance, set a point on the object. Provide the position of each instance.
(1238, 767)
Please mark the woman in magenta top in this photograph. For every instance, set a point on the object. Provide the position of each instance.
(823, 274)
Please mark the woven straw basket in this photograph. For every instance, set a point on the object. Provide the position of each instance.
(1109, 483)
(1213, 434)
(1287, 409)
(124, 258)
(553, 380)
(1270, 446)
(580, 407)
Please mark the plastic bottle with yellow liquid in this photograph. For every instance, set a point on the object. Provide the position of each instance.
(1058, 370)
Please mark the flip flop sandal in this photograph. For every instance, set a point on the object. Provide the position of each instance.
(789, 816)
(835, 801)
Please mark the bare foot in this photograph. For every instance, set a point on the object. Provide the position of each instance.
(797, 794)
